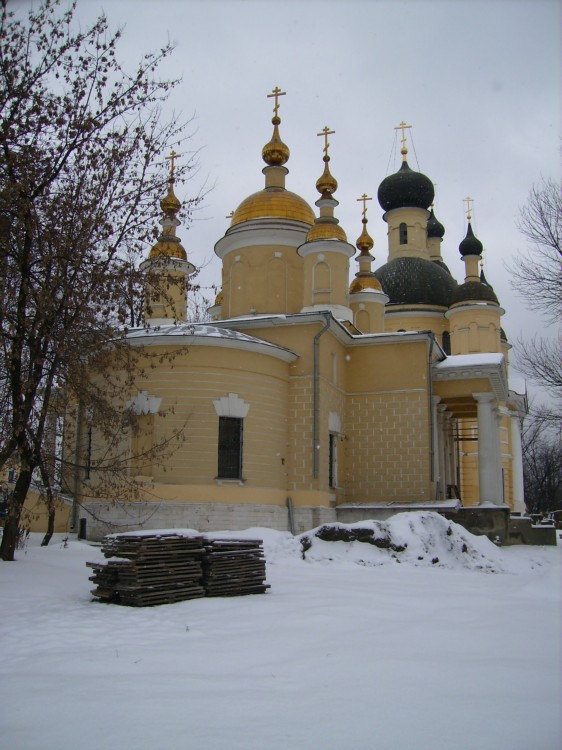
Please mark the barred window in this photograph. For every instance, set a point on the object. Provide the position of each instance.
(230, 448)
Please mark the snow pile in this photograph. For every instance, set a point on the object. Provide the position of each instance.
(417, 538)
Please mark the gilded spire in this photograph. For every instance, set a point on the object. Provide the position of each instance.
(364, 241)
(326, 226)
(275, 153)
(365, 278)
(168, 244)
(326, 184)
(403, 127)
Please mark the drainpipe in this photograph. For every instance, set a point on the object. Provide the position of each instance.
(316, 447)
(431, 419)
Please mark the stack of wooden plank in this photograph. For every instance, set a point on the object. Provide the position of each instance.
(234, 567)
(149, 569)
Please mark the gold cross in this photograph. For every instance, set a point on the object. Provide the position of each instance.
(173, 156)
(364, 199)
(468, 202)
(403, 127)
(326, 132)
(276, 93)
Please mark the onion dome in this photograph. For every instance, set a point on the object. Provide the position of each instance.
(219, 298)
(434, 227)
(470, 245)
(168, 244)
(361, 282)
(274, 201)
(443, 265)
(364, 278)
(474, 291)
(325, 231)
(326, 226)
(326, 184)
(275, 152)
(416, 281)
(406, 188)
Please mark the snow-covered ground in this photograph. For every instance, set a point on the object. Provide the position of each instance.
(354, 647)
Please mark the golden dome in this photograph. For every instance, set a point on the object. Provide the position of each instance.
(364, 241)
(273, 203)
(326, 184)
(275, 153)
(360, 283)
(170, 203)
(326, 231)
(169, 249)
(219, 298)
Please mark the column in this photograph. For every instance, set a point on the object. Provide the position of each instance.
(451, 473)
(441, 443)
(435, 441)
(517, 463)
(489, 467)
(501, 491)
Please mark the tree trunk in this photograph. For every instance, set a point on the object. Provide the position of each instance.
(50, 523)
(15, 508)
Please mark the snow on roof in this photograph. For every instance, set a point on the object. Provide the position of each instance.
(206, 334)
(470, 360)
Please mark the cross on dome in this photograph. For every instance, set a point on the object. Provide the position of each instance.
(326, 132)
(403, 127)
(276, 92)
(364, 198)
(172, 157)
(469, 202)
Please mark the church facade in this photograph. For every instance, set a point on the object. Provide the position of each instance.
(306, 399)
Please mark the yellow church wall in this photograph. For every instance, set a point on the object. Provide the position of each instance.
(388, 424)
(326, 277)
(188, 385)
(262, 279)
(417, 320)
(416, 222)
(475, 329)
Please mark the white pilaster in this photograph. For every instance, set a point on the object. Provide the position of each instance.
(441, 447)
(435, 439)
(517, 464)
(489, 465)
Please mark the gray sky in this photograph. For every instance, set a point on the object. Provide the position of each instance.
(478, 81)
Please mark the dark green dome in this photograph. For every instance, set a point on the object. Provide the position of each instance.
(470, 245)
(474, 291)
(416, 281)
(406, 188)
(434, 227)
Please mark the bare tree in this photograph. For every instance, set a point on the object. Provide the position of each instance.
(79, 141)
(542, 468)
(537, 278)
(537, 274)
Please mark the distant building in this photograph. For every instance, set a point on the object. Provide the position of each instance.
(308, 400)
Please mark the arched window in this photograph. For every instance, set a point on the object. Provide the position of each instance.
(446, 341)
(403, 234)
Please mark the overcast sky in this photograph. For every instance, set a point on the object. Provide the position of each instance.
(478, 81)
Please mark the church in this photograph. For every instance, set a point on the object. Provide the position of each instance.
(305, 399)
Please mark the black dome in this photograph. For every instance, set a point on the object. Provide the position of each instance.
(474, 291)
(442, 265)
(416, 281)
(406, 188)
(470, 245)
(434, 226)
